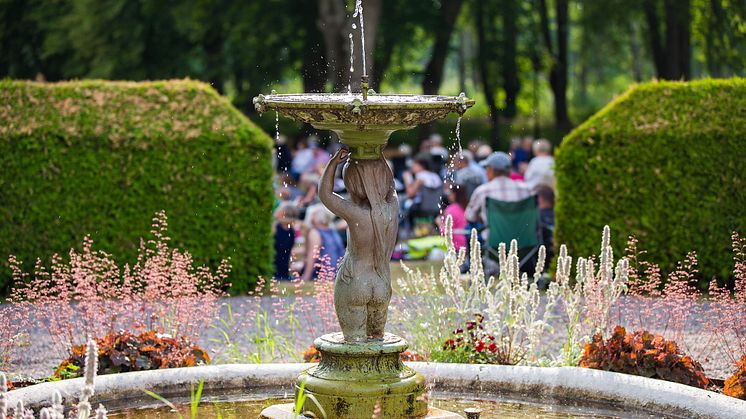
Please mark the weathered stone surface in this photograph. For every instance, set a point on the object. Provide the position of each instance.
(285, 411)
(354, 379)
(564, 385)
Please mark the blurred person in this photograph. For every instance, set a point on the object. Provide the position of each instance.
(483, 151)
(419, 184)
(284, 233)
(309, 184)
(286, 188)
(540, 170)
(320, 158)
(458, 200)
(467, 173)
(499, 187)
(519, 153)
(438, 153)
(518, 174)
(303, 158)
(474, 145)
(283, 155)
(323, 243)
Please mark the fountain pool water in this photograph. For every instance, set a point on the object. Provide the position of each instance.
(489, 409)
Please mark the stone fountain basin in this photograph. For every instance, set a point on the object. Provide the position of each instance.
(561, 385)
(363, 125)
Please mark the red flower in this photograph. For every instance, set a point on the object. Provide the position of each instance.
(479, 346)
(492, 348)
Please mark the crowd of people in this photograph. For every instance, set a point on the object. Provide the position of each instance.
(432, 183)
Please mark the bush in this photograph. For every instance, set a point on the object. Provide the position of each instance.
(663, 162)
(645, 354)
(101, 157)
(123, 351)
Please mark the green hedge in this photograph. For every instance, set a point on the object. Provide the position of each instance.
(666, 161)
(103, 157)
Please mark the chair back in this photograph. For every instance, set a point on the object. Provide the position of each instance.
(513, 220)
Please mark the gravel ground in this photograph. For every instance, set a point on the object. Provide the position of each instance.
(39, 359)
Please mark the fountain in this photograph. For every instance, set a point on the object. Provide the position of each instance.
(360, 370)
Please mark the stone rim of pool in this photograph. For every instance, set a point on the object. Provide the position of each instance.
(560, 385)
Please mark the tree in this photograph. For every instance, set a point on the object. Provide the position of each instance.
(670, 37)
(556, 45)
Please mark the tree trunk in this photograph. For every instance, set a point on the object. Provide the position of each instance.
(314, 66)
(488, 87)
(654, 34)
(678, 39)
(332, 18)
(435, 67)
(636, 54)
(433, 76)
(672, 61)
(558, 67)
(511, 82)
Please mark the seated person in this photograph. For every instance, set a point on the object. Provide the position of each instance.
(285, 216)
(499, 187)
(423, 189)
(324, 246)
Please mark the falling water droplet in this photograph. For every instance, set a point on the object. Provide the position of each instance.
(277, 127)
(458, 135)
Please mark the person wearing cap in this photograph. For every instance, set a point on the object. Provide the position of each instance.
(499, 186)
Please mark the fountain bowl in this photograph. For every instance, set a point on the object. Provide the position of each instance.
(363, 124)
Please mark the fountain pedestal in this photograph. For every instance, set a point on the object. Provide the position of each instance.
(354, 380)
(360, 381)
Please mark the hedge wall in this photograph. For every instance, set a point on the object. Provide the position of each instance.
(666, 162)
(103, 157)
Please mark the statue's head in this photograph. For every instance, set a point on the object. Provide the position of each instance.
(368, 176)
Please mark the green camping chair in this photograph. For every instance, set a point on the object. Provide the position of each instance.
(514, 220)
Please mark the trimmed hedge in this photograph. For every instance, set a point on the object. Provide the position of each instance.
(666, 161)
(101, 158)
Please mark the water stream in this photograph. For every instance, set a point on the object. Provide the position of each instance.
(458, 134)
(359, 13)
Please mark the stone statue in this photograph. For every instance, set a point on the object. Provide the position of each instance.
(362, 289)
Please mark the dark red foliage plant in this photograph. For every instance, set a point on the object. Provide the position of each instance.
(124, 351)
(642, 353)
(735, 385)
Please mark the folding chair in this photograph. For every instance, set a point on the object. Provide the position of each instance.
(514, 220)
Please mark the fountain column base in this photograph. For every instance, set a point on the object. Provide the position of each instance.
(360, 380)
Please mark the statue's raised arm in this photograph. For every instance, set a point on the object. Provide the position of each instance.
(331, 200)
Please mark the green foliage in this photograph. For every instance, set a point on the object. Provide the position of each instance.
(642, 353)
(100, 158)
(663, 162)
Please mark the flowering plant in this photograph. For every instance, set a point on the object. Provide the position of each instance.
(473, 345)
(89, 295)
